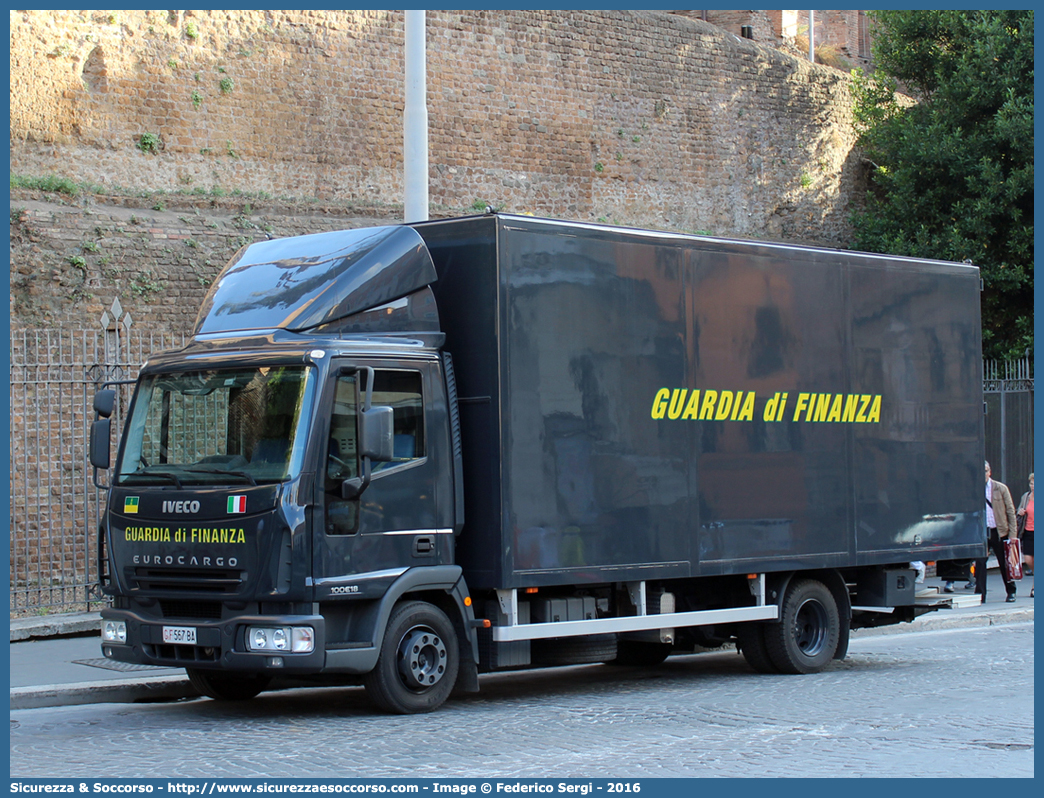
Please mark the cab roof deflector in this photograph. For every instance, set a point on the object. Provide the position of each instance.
(305, 282)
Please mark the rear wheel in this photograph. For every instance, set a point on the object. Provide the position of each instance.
(751, 639)
(806, 638)
(225, 686)
(417, 667)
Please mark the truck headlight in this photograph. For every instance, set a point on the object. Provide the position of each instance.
(114, 631)
(295, 639)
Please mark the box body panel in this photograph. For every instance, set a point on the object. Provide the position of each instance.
(638, 405)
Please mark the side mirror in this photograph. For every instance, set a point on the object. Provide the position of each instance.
(99, 447)
(376, 442)
(376, 434)
(105, 402)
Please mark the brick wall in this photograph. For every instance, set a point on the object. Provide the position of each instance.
(640, 118)
(845, 30)
(765, 25)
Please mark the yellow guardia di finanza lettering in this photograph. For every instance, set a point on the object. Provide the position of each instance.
(146, 534)
(712, 405)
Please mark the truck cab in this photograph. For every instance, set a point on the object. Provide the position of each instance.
(277, 491)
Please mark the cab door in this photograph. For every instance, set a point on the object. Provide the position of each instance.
(394, 523)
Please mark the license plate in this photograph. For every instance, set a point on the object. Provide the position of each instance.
(186, 635)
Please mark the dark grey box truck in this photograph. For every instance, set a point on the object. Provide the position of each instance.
(411, 454)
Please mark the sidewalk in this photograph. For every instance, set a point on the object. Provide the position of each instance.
(57, 661)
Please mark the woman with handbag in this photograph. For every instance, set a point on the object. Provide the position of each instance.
(1025, 528)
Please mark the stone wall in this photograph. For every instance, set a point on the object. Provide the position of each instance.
(70, 260)
(638, 118)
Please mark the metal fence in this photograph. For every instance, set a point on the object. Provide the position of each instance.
(55, 508)
(1008, 389)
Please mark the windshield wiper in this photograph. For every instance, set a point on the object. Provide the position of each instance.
(159, 474)
(240, 474)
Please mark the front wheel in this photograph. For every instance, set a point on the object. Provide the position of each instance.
(417, 667)
(225, 686)
(806, 638)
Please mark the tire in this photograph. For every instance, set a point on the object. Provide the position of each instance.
(751, 640)
(226, 686)
(806, 638)
(574, 650)
(638, 654)
(419, 660)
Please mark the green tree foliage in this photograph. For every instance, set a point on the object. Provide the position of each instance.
(952, 173)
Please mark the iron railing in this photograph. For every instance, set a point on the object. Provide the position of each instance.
(55, 508)
(1008, 393)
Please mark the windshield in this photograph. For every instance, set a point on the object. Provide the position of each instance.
(218, 427)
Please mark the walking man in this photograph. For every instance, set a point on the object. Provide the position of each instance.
(1000, 523)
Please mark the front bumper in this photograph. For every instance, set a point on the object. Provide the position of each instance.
(220, 645)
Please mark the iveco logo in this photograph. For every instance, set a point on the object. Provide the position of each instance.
(181, 507)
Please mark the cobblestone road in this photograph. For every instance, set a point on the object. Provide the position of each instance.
(942, 704)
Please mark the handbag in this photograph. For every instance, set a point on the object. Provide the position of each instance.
(1020, 525)
(1013, 556)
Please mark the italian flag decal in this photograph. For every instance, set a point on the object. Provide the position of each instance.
(236, 504)
(130, 505)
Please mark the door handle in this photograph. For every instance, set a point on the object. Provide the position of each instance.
(423, 544)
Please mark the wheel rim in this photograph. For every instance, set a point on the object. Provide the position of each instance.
(810, 627)
(422, 658)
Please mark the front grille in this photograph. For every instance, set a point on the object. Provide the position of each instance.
(182, 654)
(211, 580)
(198, 610)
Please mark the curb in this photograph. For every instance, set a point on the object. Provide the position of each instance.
(56, 626)
(928, 623)
(115, 691)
